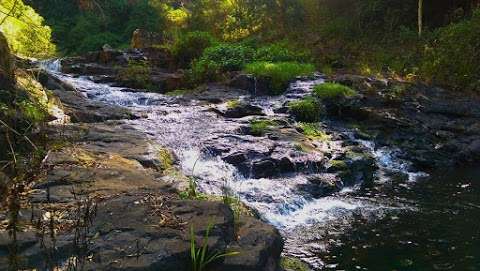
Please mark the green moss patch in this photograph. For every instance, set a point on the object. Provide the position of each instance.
(293, 264)
(314, 131)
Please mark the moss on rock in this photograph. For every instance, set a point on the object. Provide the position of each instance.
(293, 264)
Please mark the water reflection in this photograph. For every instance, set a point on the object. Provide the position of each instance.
(443, 234)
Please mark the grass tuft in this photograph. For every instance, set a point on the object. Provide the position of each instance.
(259, 127)
(333, 90)
(200, 256)
(306, 110)
(280, 73)
(314, 131)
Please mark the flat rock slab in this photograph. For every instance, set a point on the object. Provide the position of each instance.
(81, 109)
(151, 232)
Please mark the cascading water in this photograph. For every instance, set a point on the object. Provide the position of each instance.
(188, 128)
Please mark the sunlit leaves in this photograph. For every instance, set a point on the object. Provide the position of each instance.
(25, 30)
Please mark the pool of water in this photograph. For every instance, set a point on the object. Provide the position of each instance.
(441, 233)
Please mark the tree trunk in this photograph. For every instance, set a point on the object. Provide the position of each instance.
(420, 17)
(7, 79)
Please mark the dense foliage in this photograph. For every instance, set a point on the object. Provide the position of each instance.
(379, 37)
(25, 29)
(81, 26)
(452, 58)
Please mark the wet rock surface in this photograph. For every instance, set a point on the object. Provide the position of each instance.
(432, 126)
(104, 203)
(107, 66)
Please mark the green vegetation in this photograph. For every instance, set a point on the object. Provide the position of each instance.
(279, 74)
(178, 92)
(219, 59)
(192, 193)
(314, 131)
(233, 104)
(200, 256)
(137, 74)
(450, 58)
(25, 30)
(166, 159)
(259, 127)
(374, 37)
(81, 26)
(338, 165)
(332, 90)
(190, 46)
(293, 264)
(306, 110)
(279, 52)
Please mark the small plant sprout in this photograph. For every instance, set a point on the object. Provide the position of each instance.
(200, 256)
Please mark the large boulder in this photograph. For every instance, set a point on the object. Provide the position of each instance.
(259, 246)
(241, 110)
(7, 78)
(144, 231)
(256, 86)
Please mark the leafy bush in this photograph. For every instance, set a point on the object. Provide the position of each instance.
(219, 59)
(31, 39)
(95, 42)
(277, 52)
(306, 110)
(279, 74)
(452, 59)
(230, 57)
(86, 23)
(233, 104)
(204, 70)
(190, 46)
(332, 90)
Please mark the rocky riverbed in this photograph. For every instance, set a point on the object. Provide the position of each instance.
(110, 196)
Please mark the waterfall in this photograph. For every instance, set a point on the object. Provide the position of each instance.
(51, 65)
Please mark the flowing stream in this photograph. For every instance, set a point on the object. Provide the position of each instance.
(313, 227)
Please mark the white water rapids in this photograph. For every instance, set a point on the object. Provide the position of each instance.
(186, 128)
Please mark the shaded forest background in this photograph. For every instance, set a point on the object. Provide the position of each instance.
(373, 37)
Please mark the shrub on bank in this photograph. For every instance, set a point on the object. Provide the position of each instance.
(332, 90)
(306, 110)
(452, 58)
(279, 74)
(191, 45)
(230, 57)
(219, 59)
